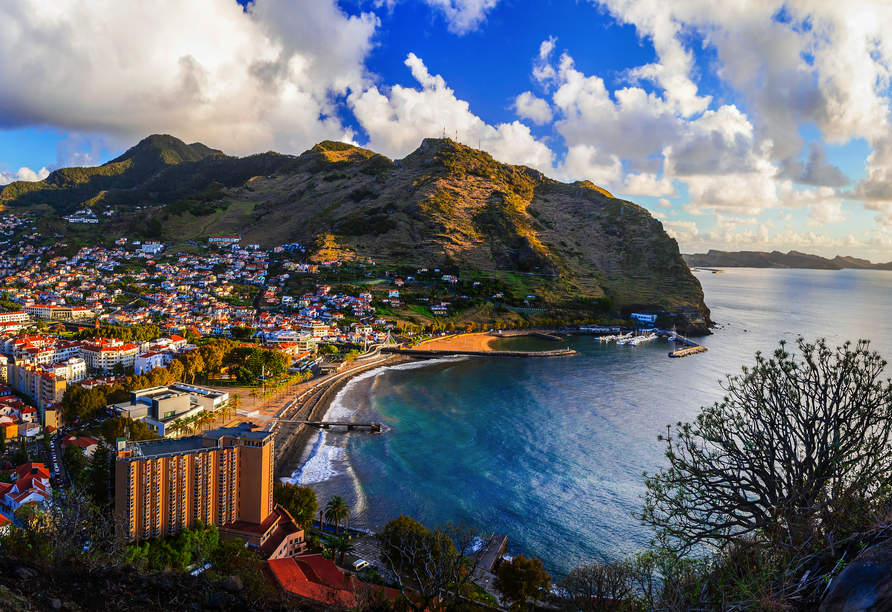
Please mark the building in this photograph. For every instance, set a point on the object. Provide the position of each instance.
(158, 407)
(223, 478)
(14, 317)
(106, 354)
(44, 388)
(151, 248)
(147, 362)
(30, 484)
(62, 313)
(72, 370)
(644, 319)
(224, 240)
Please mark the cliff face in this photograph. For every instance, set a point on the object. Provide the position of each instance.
(443, 205)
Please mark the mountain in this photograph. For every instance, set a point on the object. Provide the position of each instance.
(776, 259)
(443, 206)
(160, 168)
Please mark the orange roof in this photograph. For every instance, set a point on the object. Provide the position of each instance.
(294, 581)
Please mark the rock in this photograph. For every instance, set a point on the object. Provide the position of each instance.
(23, 573)
(56, 603)
(215, 602)
(233, 584)
(865, 585)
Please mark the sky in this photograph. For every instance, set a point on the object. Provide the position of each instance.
(740, 124)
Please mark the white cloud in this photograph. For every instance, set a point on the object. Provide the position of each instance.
(463, 16)
(24, 174)
(397, 120)
(242, 81)
(537, 110)
(543, 71)
(647, 185)
(664, 203)
(823, 213)
(584, 162)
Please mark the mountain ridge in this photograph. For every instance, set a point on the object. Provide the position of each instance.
(776, 259)
(443, 205)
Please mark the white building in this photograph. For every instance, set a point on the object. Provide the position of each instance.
(148, 361)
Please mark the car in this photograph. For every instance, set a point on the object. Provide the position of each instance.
(360, 564)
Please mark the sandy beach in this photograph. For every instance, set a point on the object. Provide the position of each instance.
(464, 342)
(295, 442)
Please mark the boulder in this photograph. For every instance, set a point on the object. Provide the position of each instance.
(865, 585)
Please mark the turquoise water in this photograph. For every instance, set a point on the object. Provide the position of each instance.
(551, 451)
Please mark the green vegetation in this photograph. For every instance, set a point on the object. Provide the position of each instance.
(522, 581)
(300, 502)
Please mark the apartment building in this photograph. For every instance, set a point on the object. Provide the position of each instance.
(106, 354)
(14, 317)
(44, 388)
(223, 477)
(71, 370)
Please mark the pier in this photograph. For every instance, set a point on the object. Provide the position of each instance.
(372, 426)
(690, 348)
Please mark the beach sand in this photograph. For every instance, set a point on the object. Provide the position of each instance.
(465, 342)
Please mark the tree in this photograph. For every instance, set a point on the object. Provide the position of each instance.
(97, 477)
(75, 460)
(124, 427)
(597, 587)
(439, 562)
(20, 457)
(300, 502)
(521, 580)
(336, 510)
(793, 439)
(342, 546)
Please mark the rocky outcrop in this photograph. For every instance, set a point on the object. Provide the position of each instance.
(865, 585)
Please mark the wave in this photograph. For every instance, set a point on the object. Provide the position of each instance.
(319, 464)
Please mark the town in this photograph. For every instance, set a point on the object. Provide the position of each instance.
(153, 378)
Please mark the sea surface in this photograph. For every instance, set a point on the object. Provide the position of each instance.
(551, 451)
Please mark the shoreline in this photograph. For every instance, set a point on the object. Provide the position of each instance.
(297, 442)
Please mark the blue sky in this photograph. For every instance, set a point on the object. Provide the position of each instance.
(741, 126)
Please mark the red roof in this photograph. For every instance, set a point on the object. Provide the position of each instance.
(294, 581)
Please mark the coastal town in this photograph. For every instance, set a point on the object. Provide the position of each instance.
(141, 371)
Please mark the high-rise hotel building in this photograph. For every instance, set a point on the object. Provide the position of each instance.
(223, 477)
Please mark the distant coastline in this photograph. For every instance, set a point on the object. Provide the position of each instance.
(776, 259)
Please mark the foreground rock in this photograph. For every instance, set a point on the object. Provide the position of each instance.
(865, 585)
(26, 587)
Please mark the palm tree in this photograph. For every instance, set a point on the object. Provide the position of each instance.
(176, 427)
(235, 402)
(341, 545)
(336, 511)
(254, 394)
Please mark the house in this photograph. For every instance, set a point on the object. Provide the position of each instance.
(88, 444)
(318, 579)
(30, 484)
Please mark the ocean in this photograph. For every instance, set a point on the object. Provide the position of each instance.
(551, 451)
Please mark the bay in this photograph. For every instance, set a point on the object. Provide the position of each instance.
(551, 451)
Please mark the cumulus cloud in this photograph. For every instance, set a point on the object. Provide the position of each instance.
(23, 174)
(242, 82)
(537, 110)
(397, 120)
(823, 213)
(463, 16)
(664, 203)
